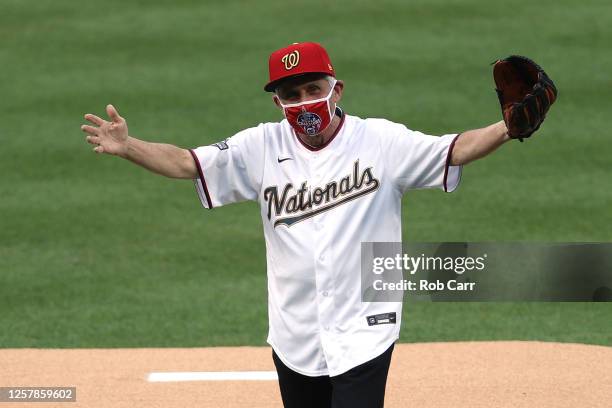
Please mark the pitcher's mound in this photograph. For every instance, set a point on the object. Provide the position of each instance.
(500, 374)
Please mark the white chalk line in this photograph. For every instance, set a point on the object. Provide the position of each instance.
(213, 376)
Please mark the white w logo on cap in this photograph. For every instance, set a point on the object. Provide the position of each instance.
(291, 60)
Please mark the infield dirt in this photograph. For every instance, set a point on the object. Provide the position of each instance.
(466, 374)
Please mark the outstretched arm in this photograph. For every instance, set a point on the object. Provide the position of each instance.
(525, 93)
(113, 138)
(475, 144)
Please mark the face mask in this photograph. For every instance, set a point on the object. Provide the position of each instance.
(310, 117)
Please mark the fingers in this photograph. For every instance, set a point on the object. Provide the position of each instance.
(94, 119)
(93, 140)
(90, 129)
(113, 114)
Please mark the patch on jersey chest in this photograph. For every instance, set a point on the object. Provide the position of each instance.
(383, 318)
(291, 205)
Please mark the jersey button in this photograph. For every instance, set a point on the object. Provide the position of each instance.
(322, 257)
(325, 293)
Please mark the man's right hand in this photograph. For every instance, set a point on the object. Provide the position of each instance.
(108, 137)
(112, 138)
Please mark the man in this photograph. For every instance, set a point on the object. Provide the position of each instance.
(326, 181)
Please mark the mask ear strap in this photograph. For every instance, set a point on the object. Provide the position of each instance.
(282, 107)
(331, 112)
(333, 86)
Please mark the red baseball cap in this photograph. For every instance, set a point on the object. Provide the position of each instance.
(297, 59)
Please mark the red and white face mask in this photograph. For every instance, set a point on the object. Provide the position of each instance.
(310, 117)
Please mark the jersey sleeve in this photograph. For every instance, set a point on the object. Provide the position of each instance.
(418, 160)
(230, 171)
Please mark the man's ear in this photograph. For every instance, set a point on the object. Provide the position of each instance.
(277, 101)
(338, 89)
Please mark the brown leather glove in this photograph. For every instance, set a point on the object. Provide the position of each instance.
(525, 93)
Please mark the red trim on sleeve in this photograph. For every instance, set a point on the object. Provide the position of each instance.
(201, 174)
(448, 160)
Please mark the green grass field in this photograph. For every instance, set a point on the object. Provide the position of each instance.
(95, 252)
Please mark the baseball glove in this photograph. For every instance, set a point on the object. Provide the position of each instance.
(525, 93)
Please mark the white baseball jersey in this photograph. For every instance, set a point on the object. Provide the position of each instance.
(317, 206)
